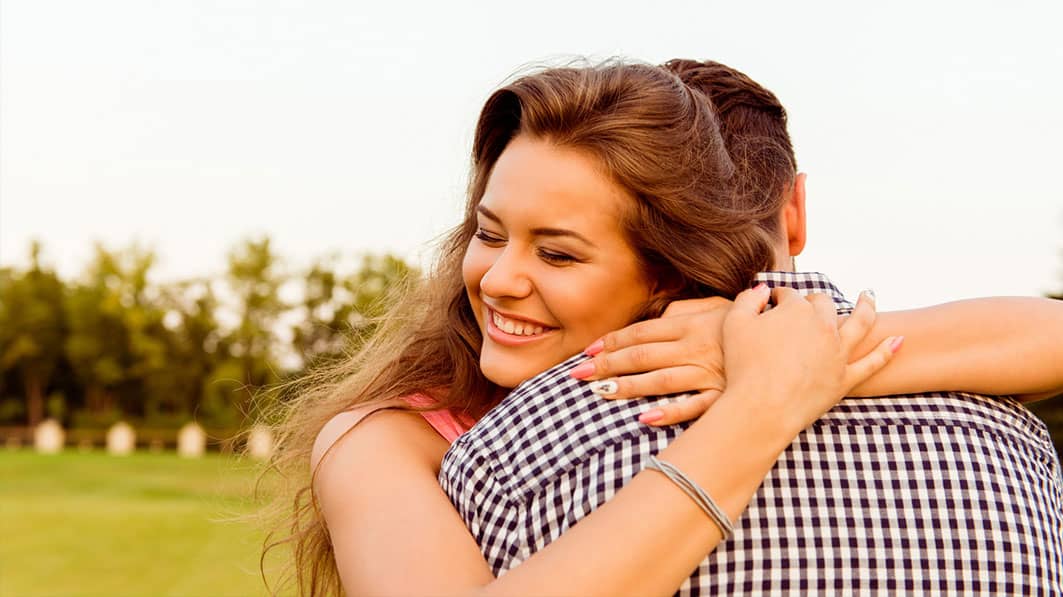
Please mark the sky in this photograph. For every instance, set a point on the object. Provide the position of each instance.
(931, 132)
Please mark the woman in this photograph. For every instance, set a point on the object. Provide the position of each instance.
(580, 176)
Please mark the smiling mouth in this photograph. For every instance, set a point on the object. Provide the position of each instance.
(517, 329)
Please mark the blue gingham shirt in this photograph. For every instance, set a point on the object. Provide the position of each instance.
(939, 493)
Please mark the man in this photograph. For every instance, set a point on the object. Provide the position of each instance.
(936, 492)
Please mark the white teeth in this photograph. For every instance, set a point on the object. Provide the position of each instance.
(514, 327)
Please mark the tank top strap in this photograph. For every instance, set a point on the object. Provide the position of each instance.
(445, 422)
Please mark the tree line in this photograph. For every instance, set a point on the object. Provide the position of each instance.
(112, 344)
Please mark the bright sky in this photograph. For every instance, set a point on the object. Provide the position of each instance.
(931, 131)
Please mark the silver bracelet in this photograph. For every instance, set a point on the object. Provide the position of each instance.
(696, 493)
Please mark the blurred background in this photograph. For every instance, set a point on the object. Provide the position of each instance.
(201, 199)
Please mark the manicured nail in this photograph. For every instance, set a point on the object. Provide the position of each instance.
(895, 344)
(762, 287)
(605, 387)
(596, 347)
(870, 294)
(584, 370)
(651, 416)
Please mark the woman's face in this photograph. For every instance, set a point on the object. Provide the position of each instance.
(549, 270)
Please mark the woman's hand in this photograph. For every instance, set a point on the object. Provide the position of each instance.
(795, 359)
(681, 352)
(678, 352)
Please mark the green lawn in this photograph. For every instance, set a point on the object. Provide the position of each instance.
(145, 524)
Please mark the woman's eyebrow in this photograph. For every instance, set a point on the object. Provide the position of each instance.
(490, 215)
(487, 213)
(562, 232)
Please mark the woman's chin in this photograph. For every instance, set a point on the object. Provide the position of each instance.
(508, 372)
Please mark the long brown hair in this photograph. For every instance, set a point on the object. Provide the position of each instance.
(691, 226)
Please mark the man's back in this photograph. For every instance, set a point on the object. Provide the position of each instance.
(937, 492)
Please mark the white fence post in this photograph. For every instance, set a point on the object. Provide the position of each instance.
(191, 441)
(49, 437)
(121, 439)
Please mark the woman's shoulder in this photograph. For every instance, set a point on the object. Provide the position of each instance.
(375, 429)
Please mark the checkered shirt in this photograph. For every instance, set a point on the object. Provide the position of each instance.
(939, 493)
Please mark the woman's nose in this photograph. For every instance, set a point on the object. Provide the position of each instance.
(507, 276)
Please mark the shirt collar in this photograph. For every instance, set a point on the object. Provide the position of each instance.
(807, 283)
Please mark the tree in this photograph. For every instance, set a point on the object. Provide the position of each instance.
(147, 387)
(32, 328)
(337, 311)
(197, 351)
(118, 344)
(254, 280)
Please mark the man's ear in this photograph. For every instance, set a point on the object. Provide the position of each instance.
(793, 219)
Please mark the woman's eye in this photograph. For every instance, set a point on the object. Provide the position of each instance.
(487, 237)
(556, 258)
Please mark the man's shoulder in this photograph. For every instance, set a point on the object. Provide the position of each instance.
(548, 425)
(1000, 416)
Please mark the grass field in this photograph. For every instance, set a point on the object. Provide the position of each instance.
(146, 524)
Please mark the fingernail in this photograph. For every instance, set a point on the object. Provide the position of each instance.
(605, 387)
(870, 294)
(596, 347)
(895, 344)
(584, 370)
(651, 416)
(760, 287)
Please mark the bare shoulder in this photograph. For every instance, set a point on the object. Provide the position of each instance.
(336, 428)
(375, 433)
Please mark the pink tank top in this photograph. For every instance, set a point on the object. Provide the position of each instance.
(449, 425)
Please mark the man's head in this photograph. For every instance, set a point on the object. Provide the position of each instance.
(753, 124)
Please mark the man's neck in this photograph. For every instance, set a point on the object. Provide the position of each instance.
(783, 264)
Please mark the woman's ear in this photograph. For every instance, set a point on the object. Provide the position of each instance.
(793, 219)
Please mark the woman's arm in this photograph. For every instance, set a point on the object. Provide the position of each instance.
(1007, 345)
(395, 532)
(1002, 346)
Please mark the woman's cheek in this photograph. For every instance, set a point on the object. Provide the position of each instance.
(605, 302)
(474, 266)
(580, 304)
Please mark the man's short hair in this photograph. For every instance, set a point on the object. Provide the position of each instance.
(753, 124)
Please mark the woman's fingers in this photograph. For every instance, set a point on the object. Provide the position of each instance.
(642, 332)
(672, 354)
(824, 307)
(669, 380)
(634, 359)
(861, 369)
(684, 409)
(858, 324)
(750, 303)
(784, 294)
(671, 326)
